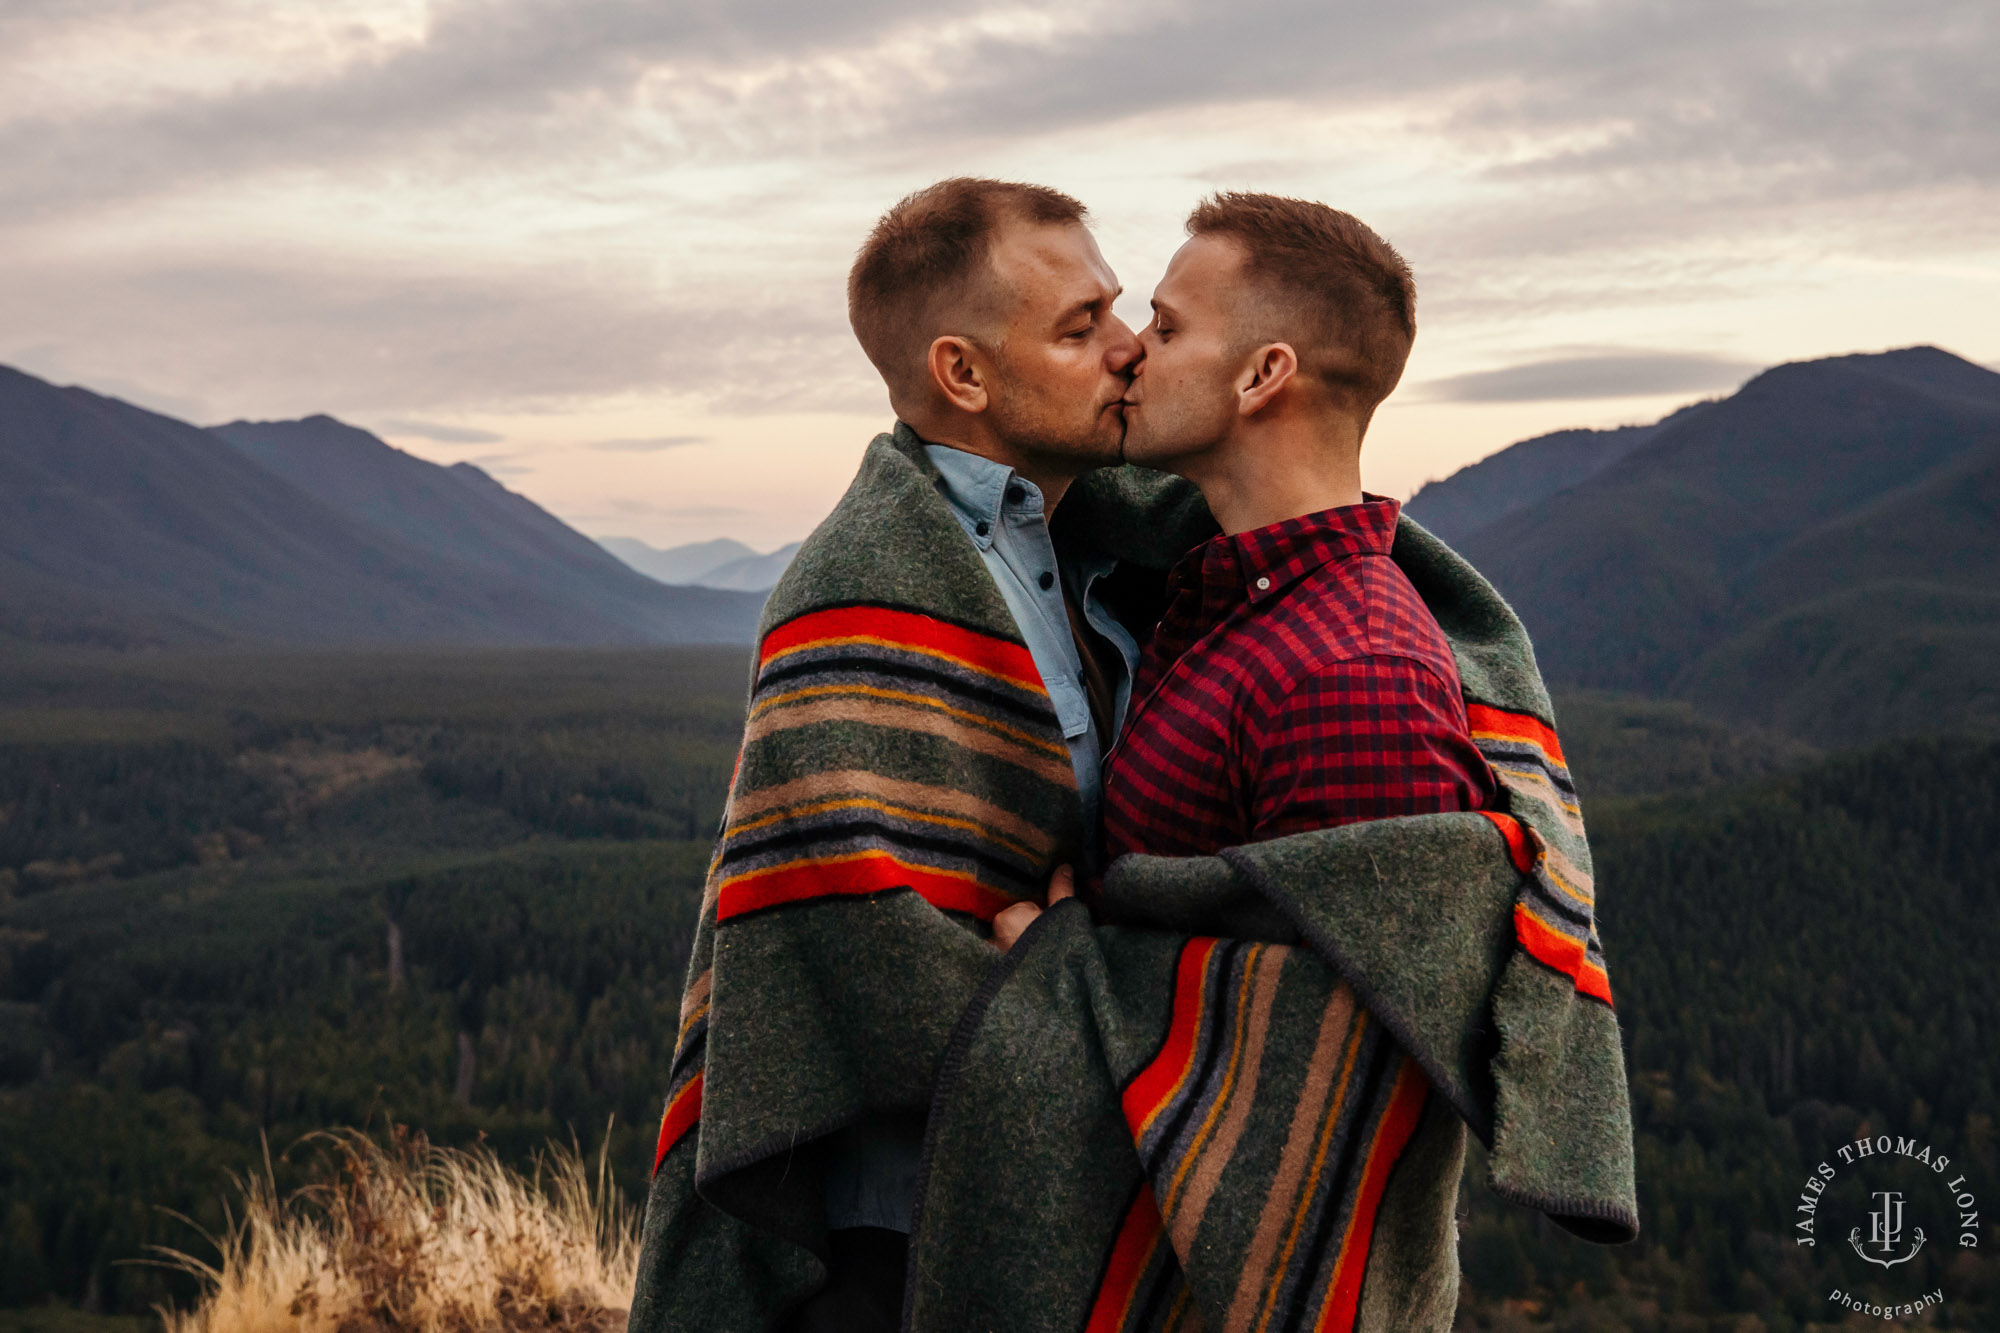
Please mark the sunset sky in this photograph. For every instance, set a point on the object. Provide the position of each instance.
(598, 246)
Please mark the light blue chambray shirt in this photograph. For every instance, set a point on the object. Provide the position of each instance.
(1002, 512)
(871, 1175)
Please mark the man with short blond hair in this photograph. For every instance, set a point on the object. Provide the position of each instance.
(1304, 684)
(1297, 685)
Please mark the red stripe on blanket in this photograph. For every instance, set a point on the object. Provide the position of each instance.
(1392, 1135)
(849, 876)
(904, 629)
(1138, 1235)
(1559, 951)
(1488, 722)
(1520, 847)
(1157, 1083)
(682, 1113)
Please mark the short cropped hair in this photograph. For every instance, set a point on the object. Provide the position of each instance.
(923, 264)
(1336, 291)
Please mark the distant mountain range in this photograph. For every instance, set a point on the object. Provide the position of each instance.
(722, 563)
(122, 527)
(1819, 552)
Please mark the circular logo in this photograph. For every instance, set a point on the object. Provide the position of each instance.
(1895, 1211)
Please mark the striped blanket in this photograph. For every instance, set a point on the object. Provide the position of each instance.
(1237, 1098)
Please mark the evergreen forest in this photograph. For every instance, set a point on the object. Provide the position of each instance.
(246, 896)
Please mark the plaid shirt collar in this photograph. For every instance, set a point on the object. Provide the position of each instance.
(1260, 564)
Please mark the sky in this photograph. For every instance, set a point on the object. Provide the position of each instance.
(599, 247)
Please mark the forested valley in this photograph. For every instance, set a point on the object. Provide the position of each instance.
(248, 896)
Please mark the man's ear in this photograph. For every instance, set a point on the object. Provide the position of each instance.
(959, 372)
(1271, 368)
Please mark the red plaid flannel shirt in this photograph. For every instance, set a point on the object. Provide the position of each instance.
(1296, 682)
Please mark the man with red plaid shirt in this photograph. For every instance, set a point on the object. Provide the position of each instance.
(1296, 680)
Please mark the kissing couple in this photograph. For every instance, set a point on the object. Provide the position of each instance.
(1150, 855)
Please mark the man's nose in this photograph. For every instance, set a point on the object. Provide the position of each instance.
(1126, 351)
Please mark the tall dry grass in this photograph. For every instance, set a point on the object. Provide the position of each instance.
(405, 1237)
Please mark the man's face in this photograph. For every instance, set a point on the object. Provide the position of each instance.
(1183, 396)
(1063, 357)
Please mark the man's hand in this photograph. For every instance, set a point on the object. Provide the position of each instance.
(1007, 926)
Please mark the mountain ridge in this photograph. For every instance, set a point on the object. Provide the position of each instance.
(1533, 469)
(127, 528)
(1816, 480)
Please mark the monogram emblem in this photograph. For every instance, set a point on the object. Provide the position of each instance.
(1885, 1232)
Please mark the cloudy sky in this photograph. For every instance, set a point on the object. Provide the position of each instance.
(598, 246)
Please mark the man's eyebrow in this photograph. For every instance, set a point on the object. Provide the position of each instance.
(1091, 303)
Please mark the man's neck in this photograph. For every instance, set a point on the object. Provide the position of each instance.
(1053, 484)
(1267, 472)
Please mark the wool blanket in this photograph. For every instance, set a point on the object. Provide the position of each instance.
(1236, 1099)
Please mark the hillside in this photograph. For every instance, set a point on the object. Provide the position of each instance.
(1815, 552)
(125, 528)
(722, 563)
(677, 564)
(1518, 476)
(754, 573)
(455, 513)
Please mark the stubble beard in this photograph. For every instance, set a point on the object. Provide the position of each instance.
(1067, 441)
(1179, 425)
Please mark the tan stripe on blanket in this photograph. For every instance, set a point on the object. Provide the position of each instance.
(1535, 785)
(930, 721)
(863, 782)
(1330, 1053)
(1566, 875)
(1184, 1217)
(696, 997)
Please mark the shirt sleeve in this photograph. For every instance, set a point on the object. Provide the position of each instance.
(1369, 738)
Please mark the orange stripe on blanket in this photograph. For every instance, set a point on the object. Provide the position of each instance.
(907, 630)
(1488, 723)
(852, 876)
(1162, 1078)
(682, 1113)
(1392, 1135)
(1520, 848)
(1559, 951)
(1138, 1236)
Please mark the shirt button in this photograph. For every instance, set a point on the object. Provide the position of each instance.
(1263, 585)
(1015, 495)
(1047, 580)
(982, 527)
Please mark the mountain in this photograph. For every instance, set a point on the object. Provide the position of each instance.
(753, 573)
(125, 528)
(722, 563)
(677, 564)
(1818, 552)
(1518, 476)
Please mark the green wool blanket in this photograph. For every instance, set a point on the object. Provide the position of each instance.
(1235, 1097)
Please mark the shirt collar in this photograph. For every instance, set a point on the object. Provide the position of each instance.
(1264, 561)
(980, 490)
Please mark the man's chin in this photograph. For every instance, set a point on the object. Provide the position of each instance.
(1138, 450)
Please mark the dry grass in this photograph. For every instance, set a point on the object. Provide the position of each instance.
(410, 1238)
